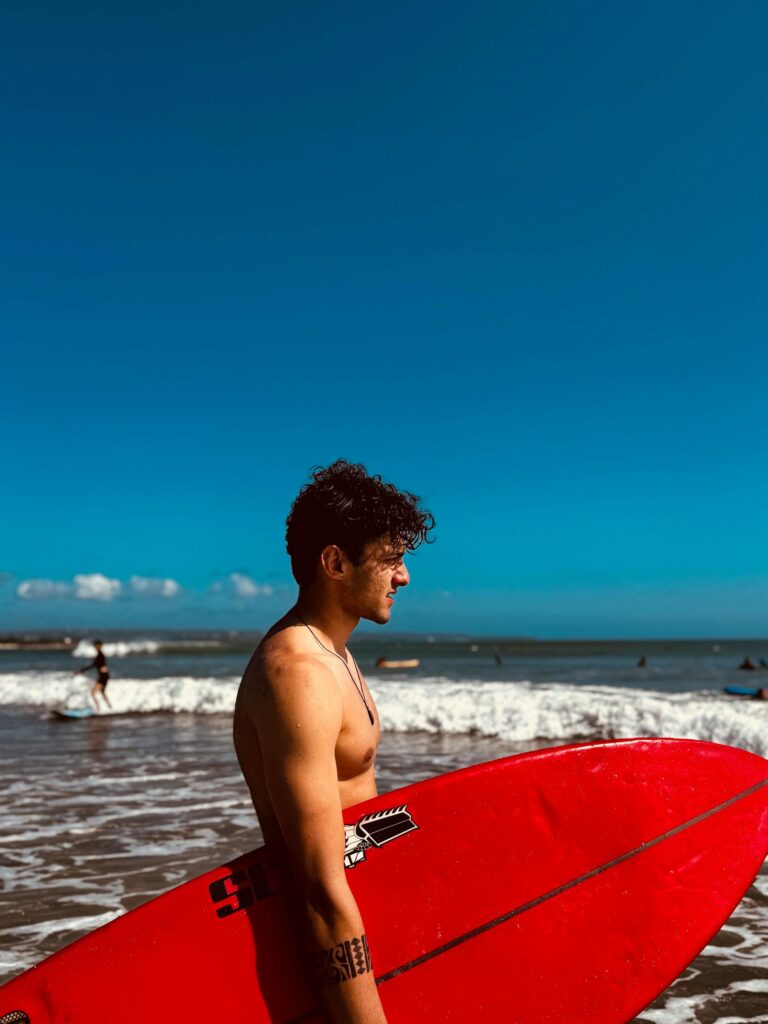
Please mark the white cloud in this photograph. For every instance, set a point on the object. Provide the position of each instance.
(244, 586)
(155, 586)
(98, 587)
(42, 590)
(95, 586)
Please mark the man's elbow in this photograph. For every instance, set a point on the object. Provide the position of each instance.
(329, 899)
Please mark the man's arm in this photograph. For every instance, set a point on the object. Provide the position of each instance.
(299, 720)
(85, 668)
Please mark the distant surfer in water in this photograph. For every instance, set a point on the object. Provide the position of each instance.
(306, 729)
(99, 688)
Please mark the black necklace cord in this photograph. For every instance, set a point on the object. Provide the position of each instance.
(358, 687)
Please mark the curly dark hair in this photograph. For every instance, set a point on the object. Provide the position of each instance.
(344, 505)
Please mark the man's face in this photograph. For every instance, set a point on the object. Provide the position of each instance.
(375, 579)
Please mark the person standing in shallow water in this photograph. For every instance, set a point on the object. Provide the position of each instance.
(99, 688)
(306, 728)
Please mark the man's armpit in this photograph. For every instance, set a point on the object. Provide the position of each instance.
(344, 962)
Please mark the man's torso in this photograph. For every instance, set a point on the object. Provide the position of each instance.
(357, 742)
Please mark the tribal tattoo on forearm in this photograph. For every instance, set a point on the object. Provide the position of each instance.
(344, 962)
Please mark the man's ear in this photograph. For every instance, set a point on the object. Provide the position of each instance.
(333, 561)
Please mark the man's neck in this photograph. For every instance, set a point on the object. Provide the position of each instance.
(326, 618)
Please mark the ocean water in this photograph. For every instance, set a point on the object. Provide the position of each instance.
(101, 815)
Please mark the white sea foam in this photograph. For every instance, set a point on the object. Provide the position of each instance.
(511, 711)
(200, 695)
(117, 648)
(689, 1009)
(524, 711)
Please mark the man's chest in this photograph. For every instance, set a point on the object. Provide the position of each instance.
(359, 738)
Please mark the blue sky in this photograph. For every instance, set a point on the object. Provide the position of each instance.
(511, 256)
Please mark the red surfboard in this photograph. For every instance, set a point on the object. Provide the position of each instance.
(564, 886)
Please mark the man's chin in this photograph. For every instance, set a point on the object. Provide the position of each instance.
(381, 618)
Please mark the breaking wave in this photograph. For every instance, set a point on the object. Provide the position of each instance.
(117, 649)
(510, 711)
(125, 648)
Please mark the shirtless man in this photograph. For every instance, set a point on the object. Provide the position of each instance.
(306, 728)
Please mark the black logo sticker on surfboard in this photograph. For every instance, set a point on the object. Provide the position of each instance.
(376, 829)
(240, 890)
(14, 1017)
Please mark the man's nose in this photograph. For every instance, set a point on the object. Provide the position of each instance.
(402, 577)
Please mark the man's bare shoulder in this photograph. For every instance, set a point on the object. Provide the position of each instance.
(285, 671)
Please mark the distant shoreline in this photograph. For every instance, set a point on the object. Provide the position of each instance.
(65, 639)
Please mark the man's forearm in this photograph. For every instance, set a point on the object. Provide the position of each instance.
(341, 964)
(344, 961)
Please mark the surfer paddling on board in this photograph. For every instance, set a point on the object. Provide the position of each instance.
(99, 688)
(306, 728)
